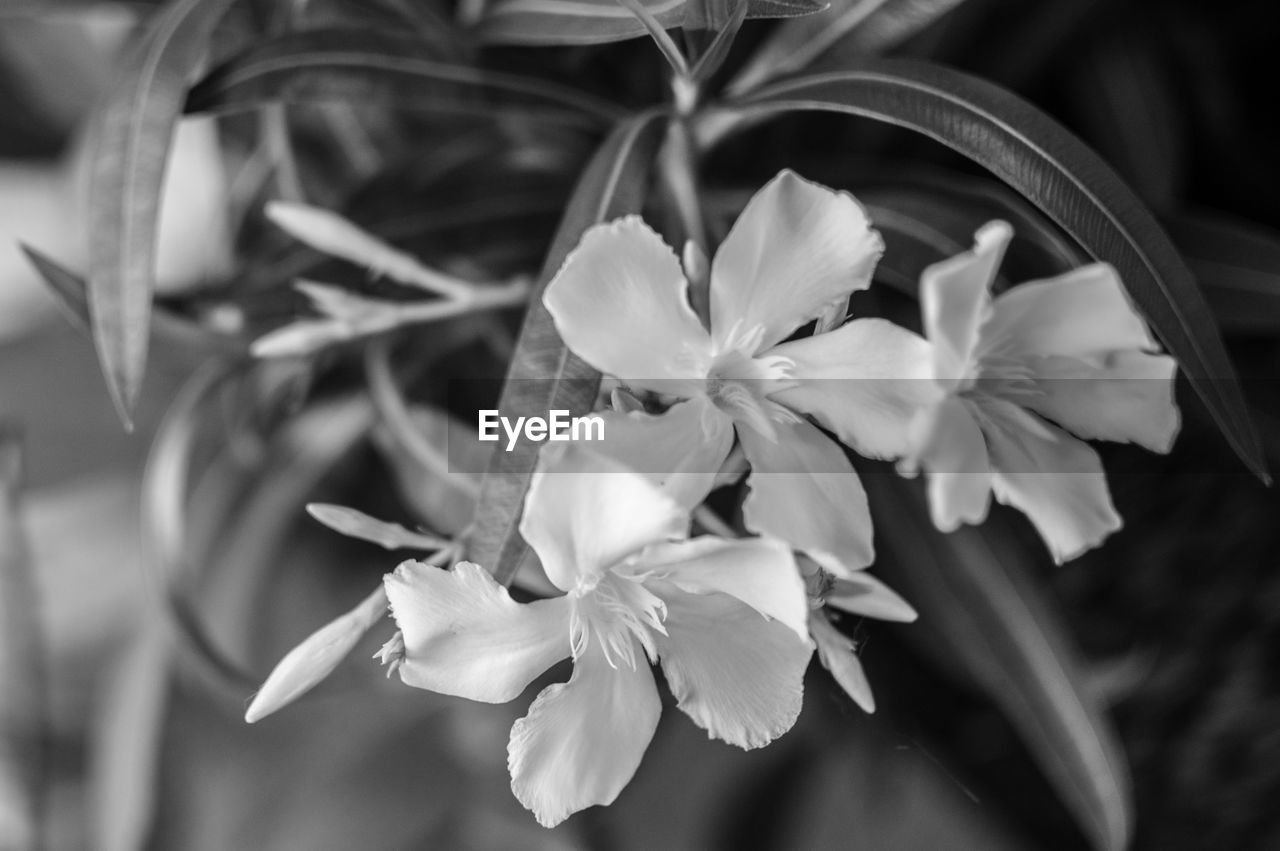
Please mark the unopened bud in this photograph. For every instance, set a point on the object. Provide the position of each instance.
(306, 665)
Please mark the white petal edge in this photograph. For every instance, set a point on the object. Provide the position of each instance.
(760, 572)
(955, 299)
(680, 450)
(585, 512)
(620, 302)
(738, 675)
(864, 381)
(796, 248)
(1053, 478)
(465, 636)
(582, 741)
(804, 491)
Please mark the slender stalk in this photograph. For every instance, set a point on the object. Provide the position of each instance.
(23, 712)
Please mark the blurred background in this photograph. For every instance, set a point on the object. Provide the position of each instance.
(140, 679)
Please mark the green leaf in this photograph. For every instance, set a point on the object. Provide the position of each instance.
(23, 711)
(1238, 264)
(70, 291)
(601, 21)
(852, 27)
(972, 591)
(339, 64)
(543, 374)
(923, 223)
(1062, 177)
(130, 143)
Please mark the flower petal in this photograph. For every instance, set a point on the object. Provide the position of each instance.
(760, 572)
(738, 675)
(582, 740)
(805, 491)
(955, 297)
(1084, 313)
(1052, 477)
(586, 512)
(681, 450)
(620, 302)
(863, 381)
(795, 249)
(1126, 396)
(954, 452)
(839, 655)
(863, 594)
(465, 636)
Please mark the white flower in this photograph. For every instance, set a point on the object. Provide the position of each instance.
(795, 255)
(727, 619)
(1070, 349)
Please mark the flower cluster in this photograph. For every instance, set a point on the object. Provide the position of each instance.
(992, 400)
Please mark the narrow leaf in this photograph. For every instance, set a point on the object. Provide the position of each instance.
(1238, 264)
(852, 27)
(972, 591)
(543, 374)
(601, 21)
(327, 231)
(339, 64)
(1059, 175)
(23, 710)
(130, 149)
(71, 292)
(357, 524)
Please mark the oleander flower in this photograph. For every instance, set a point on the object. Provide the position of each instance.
(1069, 350)
(795, 255)
(726, 619)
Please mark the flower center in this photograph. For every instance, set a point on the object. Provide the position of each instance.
(739, 384)
(616, 610)
(1002, 377)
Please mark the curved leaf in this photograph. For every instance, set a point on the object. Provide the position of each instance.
(1059, 175)
(852, 26)
(972, 591)
(342, 64)
(601, 21)
(130, 148)
(1238, 264)
(543, 374)
(70, 291)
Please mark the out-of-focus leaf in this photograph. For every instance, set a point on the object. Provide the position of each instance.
(1238, 264)
(972, 590)
(922, 225)
(1127, 106)
(1059, 175)
(601, 21)
(440, 490)
(357, 524)
(128, 741)
(718, 51)
(544, 375)
(338, 64)
(130, 138)
(855, 26)
(23, 711)
(71, 293)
